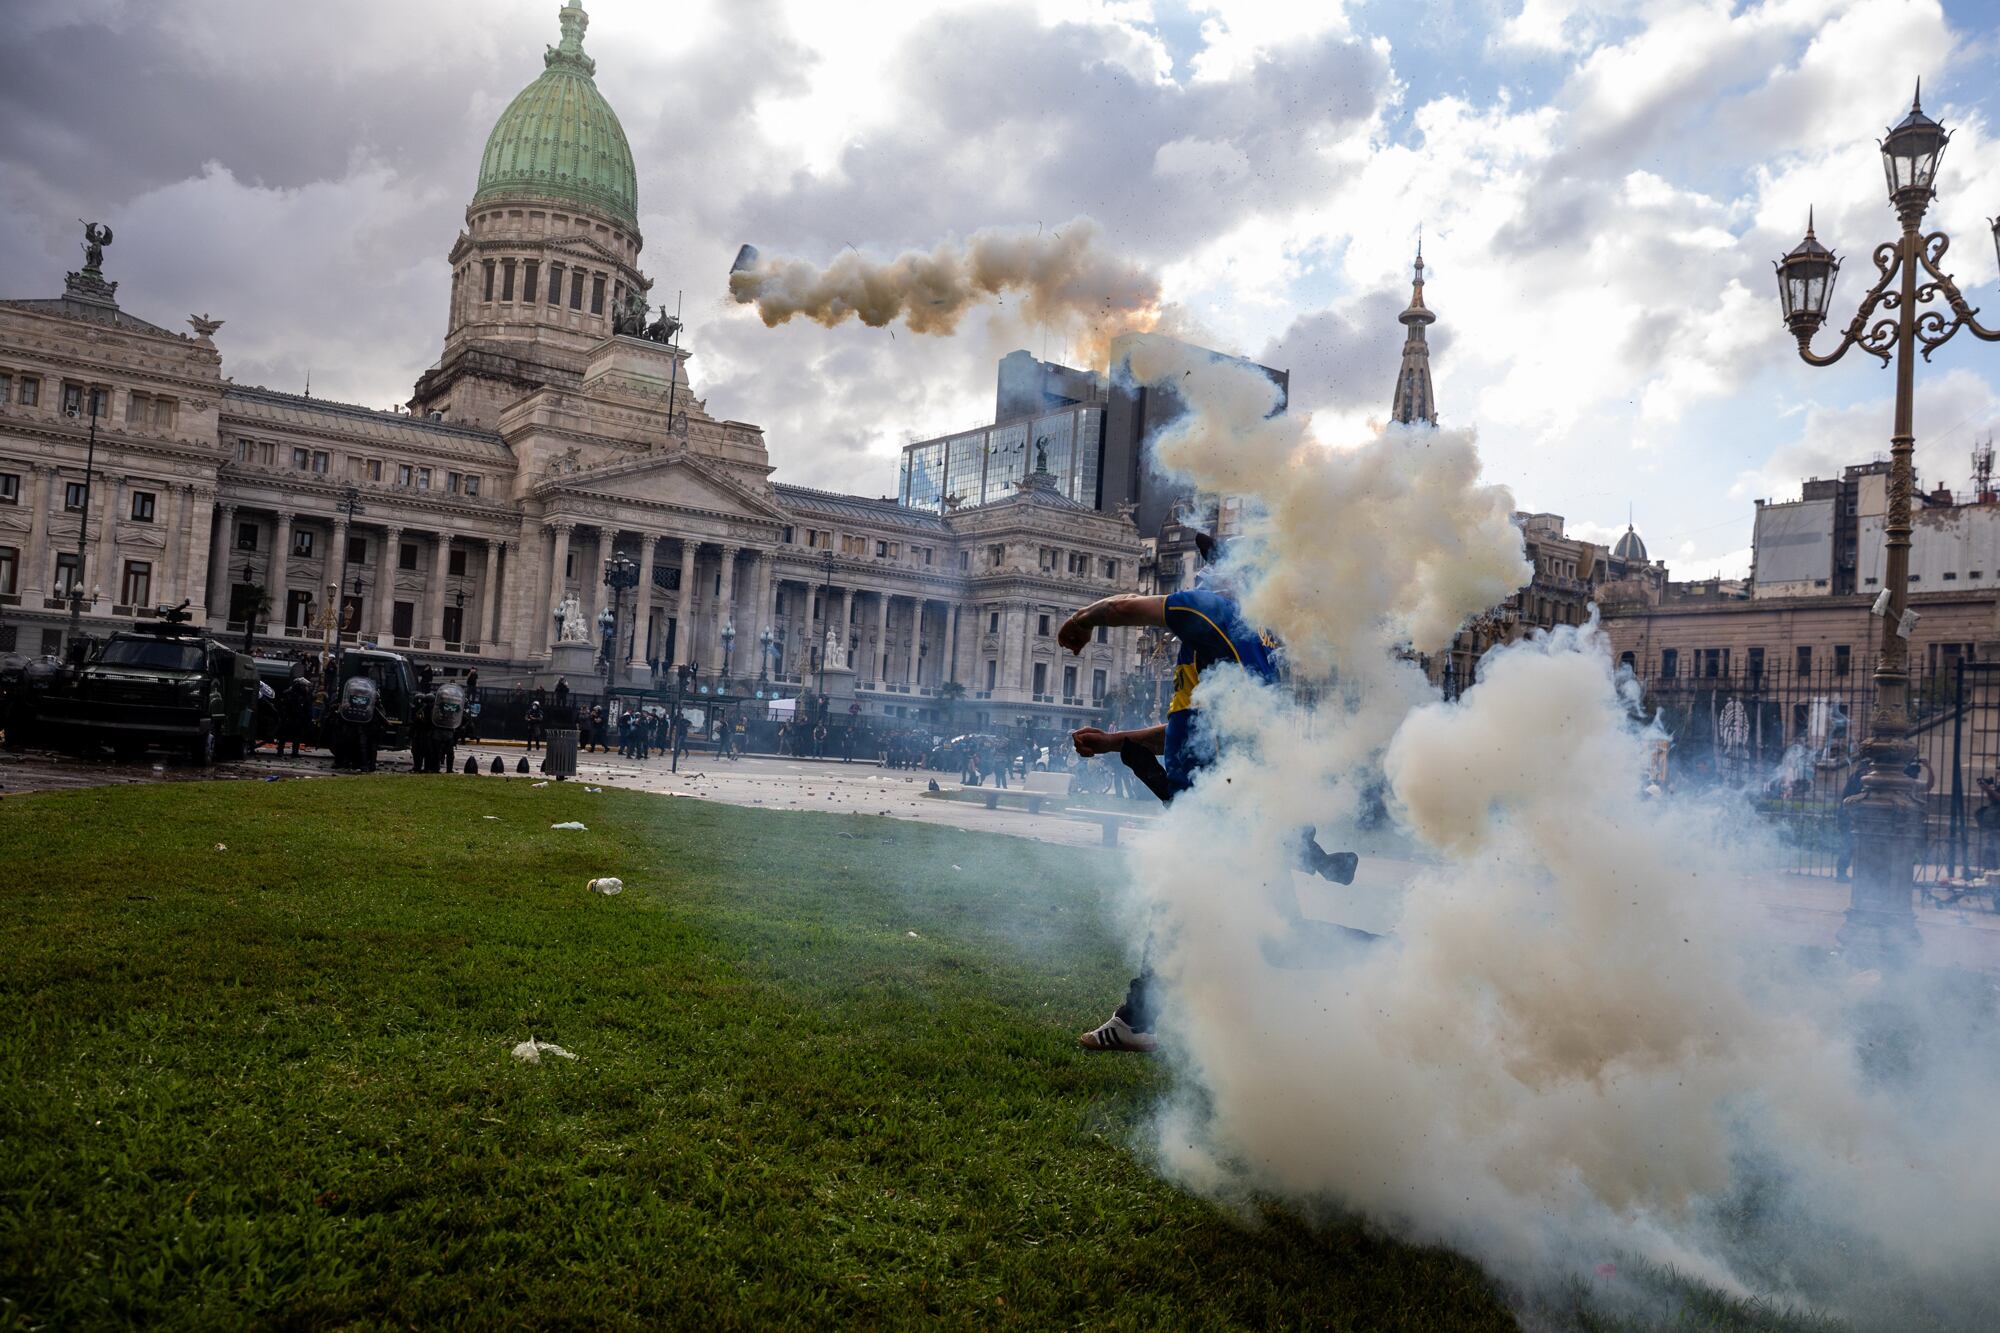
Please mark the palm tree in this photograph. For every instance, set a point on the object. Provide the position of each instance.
(255, 600)
(949, 694)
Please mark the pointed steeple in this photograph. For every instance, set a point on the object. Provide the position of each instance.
(1414, 400)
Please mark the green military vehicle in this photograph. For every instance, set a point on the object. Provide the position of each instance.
(162, 683)
(354, 731)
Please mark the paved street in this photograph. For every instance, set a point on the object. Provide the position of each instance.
(1801, 910)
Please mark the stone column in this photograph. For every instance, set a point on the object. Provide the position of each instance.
(684, 607)
(1029, 619)
(386, 564)
(173, 549)
(878, 666)
(194, 573)
(274, 582)
(725, 602)
(953, 615)
(219, 553)
(440, 562)
(489, 596)
(37, 559)
(916, 641)
(558, 583)
(105, 546)
(642, 601)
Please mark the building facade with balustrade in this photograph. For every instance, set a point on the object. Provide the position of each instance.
(553, 433)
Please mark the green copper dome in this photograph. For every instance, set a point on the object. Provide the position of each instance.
(560, 137)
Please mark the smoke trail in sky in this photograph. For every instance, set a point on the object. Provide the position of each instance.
(1059, 276)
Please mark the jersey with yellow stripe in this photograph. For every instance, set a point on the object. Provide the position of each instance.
(1212, 634)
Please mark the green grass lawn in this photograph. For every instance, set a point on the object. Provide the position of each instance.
(272, 1085)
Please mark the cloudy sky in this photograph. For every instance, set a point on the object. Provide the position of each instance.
(1601, 186)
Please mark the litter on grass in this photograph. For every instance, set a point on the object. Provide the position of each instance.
(543, 783)
(496, 818)
(595, 791)
(221, 846)
(531, 1051)
(571, 823)
(608, 885)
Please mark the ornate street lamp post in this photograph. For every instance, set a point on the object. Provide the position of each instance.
(83, 522)
(621, 573)
(1887, 816)
(764, 659)
(728, 647)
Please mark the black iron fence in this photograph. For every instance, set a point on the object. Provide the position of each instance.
(1791, 741)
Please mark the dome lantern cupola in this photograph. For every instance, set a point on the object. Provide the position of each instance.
(559, 139)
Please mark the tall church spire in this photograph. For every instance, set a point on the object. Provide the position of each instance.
(1414, 401)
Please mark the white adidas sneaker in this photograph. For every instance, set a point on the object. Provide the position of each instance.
(1118, 1035)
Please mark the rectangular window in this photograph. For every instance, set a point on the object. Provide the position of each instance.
(302, 459)
(1805, 659)
(68, 574)
(1104, 634)
(1069, 683)
(406, 556)
(597, 294)
(6, 389)
(142, 506)
(402, 617)
(1714, 662)
(1111, 569)
(1756, 664)
(472, 483)
(76, 497)
(885, 550)
(1670, 661)
(138, 409)
(302, 542)
(530, 280)
(788, 537)
(246, 536)
(569, 566)
(322, 461)
(72, 399)
(30, 391)
(992, 622)
(1950, 575)
(489, 280)
(1842, 659)
(576, 289)
(1041, 679)
(423, 478)
(10, 570)
(357, 550)
(555, 284)
(136, 588)
(455, 562)
(965, 560)
(451, 482)
(298, 608)
(1097, 687)
(992, 671)
(405, 474)
(1042, 629)
(10, 488)
(374, 469)
(506, 279)
(994, 555)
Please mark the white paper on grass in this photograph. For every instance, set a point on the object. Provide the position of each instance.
(531, 1051)
(608, 885)
(571, 823)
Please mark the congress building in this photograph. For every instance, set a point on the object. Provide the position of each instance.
(557, 430)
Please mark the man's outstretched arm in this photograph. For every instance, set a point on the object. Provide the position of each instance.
(1091, 741)
(1114, 612)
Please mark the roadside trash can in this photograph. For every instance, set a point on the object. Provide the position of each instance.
(560, 759)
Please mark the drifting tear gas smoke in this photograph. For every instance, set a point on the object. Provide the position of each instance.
(1566, 1052)
(1061, 276)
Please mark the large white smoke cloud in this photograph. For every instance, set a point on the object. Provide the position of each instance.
(1571, 1048)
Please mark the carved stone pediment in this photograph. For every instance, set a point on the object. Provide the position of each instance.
(676, 481)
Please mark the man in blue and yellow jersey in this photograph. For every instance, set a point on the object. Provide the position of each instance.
(1209, 626)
